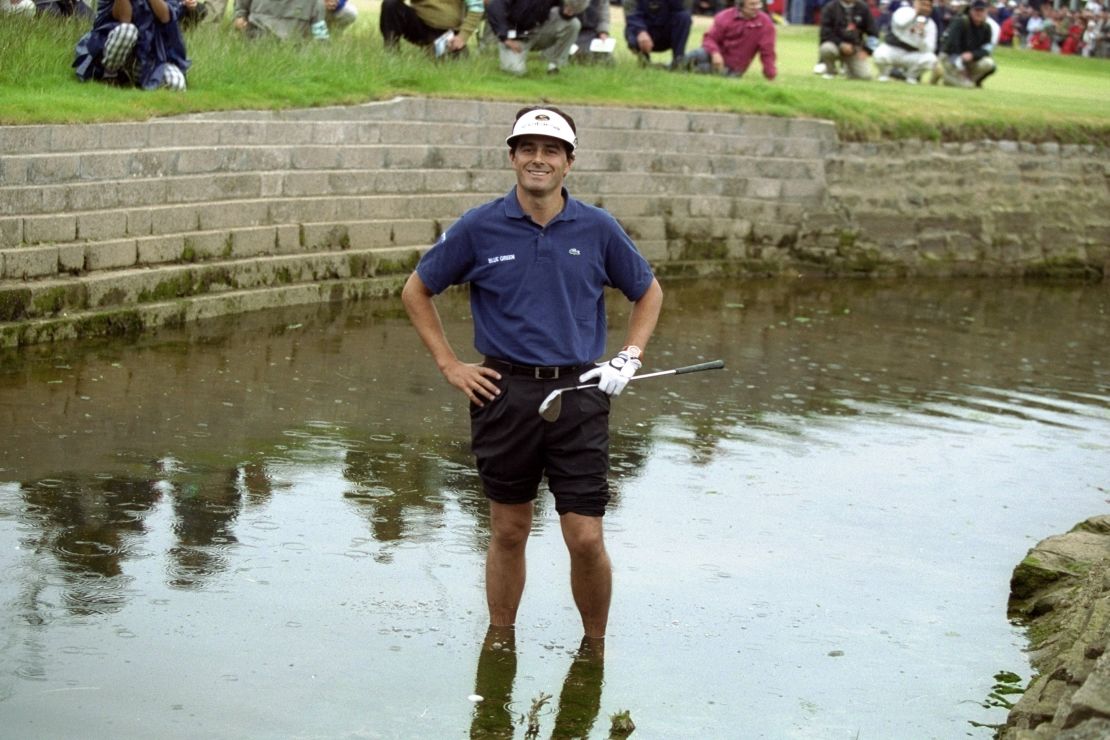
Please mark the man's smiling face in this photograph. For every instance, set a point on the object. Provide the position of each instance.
(541, 163)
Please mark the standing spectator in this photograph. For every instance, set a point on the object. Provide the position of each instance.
(1006, 30)
(534, 25)
(848, 35)
(283, 19)
(657, 25)
(17, 7)
(967, 59)
(733, 40)
(134, 42)
(594, 27)
(421, 22)
(909, 44)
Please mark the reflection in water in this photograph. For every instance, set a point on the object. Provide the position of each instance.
(579, 700)
(148, 485)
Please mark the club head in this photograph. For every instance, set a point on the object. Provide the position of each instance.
(552, 406)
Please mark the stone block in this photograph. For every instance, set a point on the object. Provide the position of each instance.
(157, 163)
(201, 160)
(47, 229)
(321, 157)
(232, 214)
(74, 138)
(288, 239)
(30, 262)
(206, 245)
(156, 250)
(174, 220)
(810, 191)
(25, 139)
(111, 254)
(100, 166)
(765, 188)
(21, 200)
(71, 258)
(101, 225)
(139, 221)
(11, 231)
(126, 136)
(253, 241)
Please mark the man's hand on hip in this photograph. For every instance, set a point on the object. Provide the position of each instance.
(476, 381)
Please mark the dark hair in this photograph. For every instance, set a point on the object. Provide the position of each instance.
(570, 121)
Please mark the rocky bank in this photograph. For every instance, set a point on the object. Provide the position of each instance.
(1061, 590)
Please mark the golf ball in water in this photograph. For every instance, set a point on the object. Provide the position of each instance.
(475, 698)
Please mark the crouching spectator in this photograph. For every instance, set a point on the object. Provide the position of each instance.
(421, 22)
(134, 42)
(848, 35)
(522, 26)
(284, 19)
(908, 46)
(733, 40)
(657, 25)
(966, 48)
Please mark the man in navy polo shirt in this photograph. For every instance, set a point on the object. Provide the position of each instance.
(537, 262)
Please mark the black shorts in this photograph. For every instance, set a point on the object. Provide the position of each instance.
(514, 447)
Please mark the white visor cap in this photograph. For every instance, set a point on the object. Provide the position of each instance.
(543, 122)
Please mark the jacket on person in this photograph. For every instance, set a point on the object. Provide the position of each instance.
(906, 33)
(641, 15)
(739, 39)
(847, 25)
(283, 18)
(517, 18)
(963, 35)
(463, 17)
(158, 44)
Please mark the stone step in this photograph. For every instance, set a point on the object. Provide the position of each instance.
(22, 170)
(56, 139)
(20, 300)
(148, 316)
(72, 199)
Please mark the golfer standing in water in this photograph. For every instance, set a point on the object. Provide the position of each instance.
(537, 262)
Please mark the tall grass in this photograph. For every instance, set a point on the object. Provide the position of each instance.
(1034, 96)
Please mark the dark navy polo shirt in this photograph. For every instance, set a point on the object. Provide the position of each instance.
(537, 293)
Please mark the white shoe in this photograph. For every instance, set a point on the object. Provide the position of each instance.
(884, 78)
(828, 76)
(820, 69)
(911, 80)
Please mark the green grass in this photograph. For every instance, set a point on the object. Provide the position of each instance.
(1033, 97)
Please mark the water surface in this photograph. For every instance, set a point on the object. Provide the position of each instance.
(269, 526)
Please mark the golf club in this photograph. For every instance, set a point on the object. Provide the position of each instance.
(552, 406)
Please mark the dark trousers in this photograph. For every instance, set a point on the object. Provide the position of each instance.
(672, 37)
(399, 21)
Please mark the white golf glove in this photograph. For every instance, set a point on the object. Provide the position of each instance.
(614, 375)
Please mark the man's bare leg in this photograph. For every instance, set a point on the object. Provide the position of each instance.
(510, 525)
(591, 573)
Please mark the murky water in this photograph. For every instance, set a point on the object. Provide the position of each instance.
(269, 527)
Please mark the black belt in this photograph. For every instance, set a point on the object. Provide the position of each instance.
(533, 371)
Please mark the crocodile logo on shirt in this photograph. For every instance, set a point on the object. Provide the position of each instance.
(574, 252)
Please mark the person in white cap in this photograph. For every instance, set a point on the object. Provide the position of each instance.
(909, 44)
(537, 263)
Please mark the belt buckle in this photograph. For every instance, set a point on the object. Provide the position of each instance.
(546, 373)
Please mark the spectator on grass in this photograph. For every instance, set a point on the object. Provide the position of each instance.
(848, 36)
(64, 8)
(339, 14)
(134, 42)
(734, 39)
(522, 26)
(192, 13)
(966, 58)
(421, 22)
(1007, 31)
(594, 22)
(657, 25)
(282, 19)
(18, 7)
(909, 44)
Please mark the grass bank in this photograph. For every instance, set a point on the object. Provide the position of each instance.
(1034, 97)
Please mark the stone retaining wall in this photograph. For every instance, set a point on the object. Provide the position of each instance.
(108, 228)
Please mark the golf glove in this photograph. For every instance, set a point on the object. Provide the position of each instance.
(614, 375)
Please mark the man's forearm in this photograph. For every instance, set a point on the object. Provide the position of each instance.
(422, 312)
(645, 314)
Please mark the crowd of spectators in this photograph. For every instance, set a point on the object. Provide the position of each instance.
(140, 42)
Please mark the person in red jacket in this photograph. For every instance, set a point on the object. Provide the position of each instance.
(736, 36)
